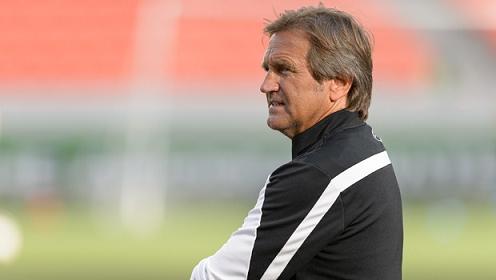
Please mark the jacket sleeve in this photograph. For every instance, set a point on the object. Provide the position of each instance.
(277, 238)
(231, 261)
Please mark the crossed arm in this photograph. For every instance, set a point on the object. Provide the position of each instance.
(277, 237)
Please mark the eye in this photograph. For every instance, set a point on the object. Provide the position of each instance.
(284, 70)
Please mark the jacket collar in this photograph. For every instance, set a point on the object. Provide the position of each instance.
(328, 126)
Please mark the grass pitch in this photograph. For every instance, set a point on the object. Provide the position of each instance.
(453, 242)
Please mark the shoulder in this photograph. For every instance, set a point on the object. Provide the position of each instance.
(295, 185)
(353, 152)
(340, 151)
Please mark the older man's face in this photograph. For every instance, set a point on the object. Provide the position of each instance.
(295, 99)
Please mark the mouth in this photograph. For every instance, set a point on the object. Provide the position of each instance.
(275, 104)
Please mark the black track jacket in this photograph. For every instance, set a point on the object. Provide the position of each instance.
(333, 212)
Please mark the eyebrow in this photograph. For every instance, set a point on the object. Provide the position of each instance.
(265, 64)
(279, 63)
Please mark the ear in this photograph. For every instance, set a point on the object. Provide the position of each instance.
(339, 88)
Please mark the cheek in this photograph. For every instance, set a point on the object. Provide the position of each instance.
(299, 98)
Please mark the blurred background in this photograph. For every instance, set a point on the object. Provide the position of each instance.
(133, 138)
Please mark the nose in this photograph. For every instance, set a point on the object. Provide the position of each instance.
(270, 83)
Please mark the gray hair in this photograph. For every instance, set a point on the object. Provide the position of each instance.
(339, 49)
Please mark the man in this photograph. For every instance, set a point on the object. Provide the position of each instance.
(334, 211)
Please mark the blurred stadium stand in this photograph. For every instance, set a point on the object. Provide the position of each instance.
(52, 42)
(167, 91)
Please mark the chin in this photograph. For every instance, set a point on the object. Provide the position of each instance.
(276, 125)
(270, 124)
(273, 123)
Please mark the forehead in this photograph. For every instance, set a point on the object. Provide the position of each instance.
(290, 44)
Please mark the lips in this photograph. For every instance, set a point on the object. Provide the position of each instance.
(275, 103)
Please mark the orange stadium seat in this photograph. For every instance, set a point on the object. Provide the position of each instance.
(58, 40)
(217, 50)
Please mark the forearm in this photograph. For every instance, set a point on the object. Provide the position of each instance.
(232, 261)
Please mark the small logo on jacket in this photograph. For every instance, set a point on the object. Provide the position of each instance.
(375, 136)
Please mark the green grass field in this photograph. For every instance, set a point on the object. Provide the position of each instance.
(451, 243)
